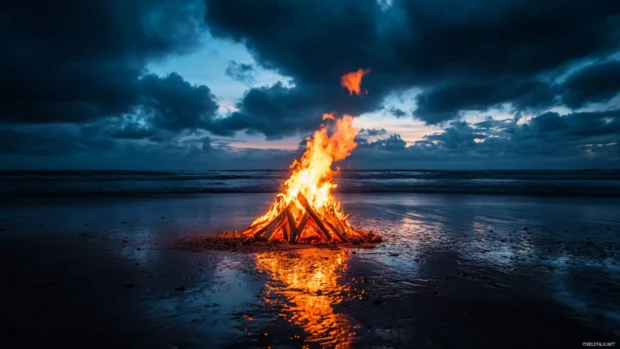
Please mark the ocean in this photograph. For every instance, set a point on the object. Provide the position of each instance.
(67, 184)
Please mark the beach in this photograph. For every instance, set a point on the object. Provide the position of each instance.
(453, 271)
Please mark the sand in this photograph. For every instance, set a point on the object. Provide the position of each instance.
(452, 271)
(237, 242)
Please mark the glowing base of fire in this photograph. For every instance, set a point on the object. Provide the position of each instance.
(311, 228)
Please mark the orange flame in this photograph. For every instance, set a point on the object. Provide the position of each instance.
(306, 198)
(312, 174)
(352, 81)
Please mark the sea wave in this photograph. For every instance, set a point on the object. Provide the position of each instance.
(144, 183)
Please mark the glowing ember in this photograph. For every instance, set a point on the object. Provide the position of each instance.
(305, 210)
(352, 81)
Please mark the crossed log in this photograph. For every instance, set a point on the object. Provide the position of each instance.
(330, 228)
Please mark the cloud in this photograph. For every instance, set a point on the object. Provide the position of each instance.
(398, 113)
(278, 110)
(74, 92)
(548, 135)
(597, 82)
(548, 140)
(370, 132)
(463, 55)
(241, 72)
(173, 104)
(50, 140)
(393, 142)
(444, 103)
(575, 140)
(78, 61)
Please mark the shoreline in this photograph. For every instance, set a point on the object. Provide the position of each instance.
(452, 271)
(147, 197)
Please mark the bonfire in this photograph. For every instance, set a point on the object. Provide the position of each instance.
(306, 210)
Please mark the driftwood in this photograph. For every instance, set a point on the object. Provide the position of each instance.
(322, 230)
(295, 230)
(334, 223)
(328, 228)
(270, 227)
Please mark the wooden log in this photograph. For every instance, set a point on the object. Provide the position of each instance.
(271, 231)
(312, 226)
(291, 223)
(335, 230)
(299, 229)
(270, 225)
(341, 226)
(286, 227)
(294, 229)
(253, 226)
(315, 217)
(333, 219)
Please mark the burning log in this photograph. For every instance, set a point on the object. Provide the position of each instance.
(328, 228)
(295, 230)
(305, 210)
(315, 217)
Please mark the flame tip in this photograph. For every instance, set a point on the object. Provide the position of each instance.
(353, 80)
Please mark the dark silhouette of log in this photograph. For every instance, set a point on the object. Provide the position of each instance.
(341, 226)
(286, 230)
(291, 224)
(270, 225)
(312, 224)
(302, 225)
(322, 230)
(332, 222)
(295, 230)
(274, 228)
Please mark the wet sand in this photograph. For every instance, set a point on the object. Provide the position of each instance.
(454, 271)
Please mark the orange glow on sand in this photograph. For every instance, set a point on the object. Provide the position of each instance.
(305, 286)
(352, 81)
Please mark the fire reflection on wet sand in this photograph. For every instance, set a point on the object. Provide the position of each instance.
(305, 285)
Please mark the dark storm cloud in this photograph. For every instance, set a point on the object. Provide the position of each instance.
(278, 110)
(50, 140)
(241, 72)
(73, 76)
(465, 55)
(444, 103)
(308, 41)
(398, 113)
(549, 122)
(459, 135)
(132, 130)
(79, 61)
(393, 142)
(174, 104)
(372, 132)
(597, 82)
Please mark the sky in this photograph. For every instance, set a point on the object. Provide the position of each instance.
(240, 84)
